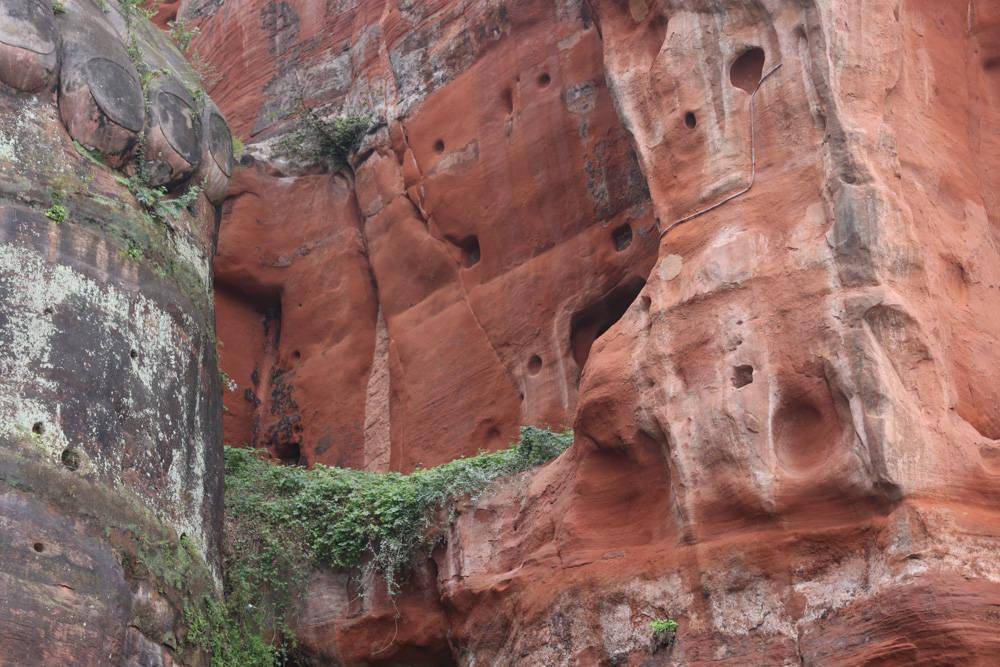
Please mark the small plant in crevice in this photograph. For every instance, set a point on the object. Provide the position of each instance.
(320, 140)
(282, 521)
(154, 199)
(182, 32)
(664, 633)
(238, 148)
(132, 251)
(138, 9)
(58, 7)
(57, 213)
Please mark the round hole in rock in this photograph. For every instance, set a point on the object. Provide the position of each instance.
(38, 428)
(70, 459)
(534, 364)
(38, 546)
(439, 146)
(742, 375)
(296, 354)
(133, 354)
(622, 237)
(690, 120)
(746, 70)
(646, 302)
(544, 80)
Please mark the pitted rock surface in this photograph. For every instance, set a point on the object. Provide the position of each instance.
(784, 414)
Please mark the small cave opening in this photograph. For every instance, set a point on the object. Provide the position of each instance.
(534, 364)
(742, 375)
(746, 70)
(544, 80)
(591, 322)
(70, 459)
(38, 428)
(439, 146)
(289, 453)
(622, 237)
(469, 247)
(690, 120)
(38, 547)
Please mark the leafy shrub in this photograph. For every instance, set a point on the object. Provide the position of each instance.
(332, 141)
(154, 199)
(57, 213)
(283, 520)
(182, 32)
(664, 633)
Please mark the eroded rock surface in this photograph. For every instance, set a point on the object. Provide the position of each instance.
(785, 409)
(110, 465)
(747, 248)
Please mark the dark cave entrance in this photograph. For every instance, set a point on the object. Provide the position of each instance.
(590, 323)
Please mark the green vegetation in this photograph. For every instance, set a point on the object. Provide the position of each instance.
(182, 32)
(90, 154)
(58, 7)
(57, 213)
(133, 251)
(154, 199)
(238, 148)
(664, 633)
(283, 520)
(330, 141)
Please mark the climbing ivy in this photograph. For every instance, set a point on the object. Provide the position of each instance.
(283, 520)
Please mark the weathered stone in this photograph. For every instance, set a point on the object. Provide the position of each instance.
(174, 134)
(100, 97)
(110, 469)
(28, 40)
(785, 423)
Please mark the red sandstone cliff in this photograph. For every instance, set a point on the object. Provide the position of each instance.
(786, 407)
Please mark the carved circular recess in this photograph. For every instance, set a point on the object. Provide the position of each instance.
(28, 24)
(221, 143)
(116, 92)
(180, 125)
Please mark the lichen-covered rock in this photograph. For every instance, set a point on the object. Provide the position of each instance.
(110, 489)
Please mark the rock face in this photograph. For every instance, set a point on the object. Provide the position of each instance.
(110, 465)
(750, 251)
(448, 290)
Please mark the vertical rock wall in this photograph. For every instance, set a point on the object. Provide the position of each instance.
(765, 232)
(494, 224)
(110, 465)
